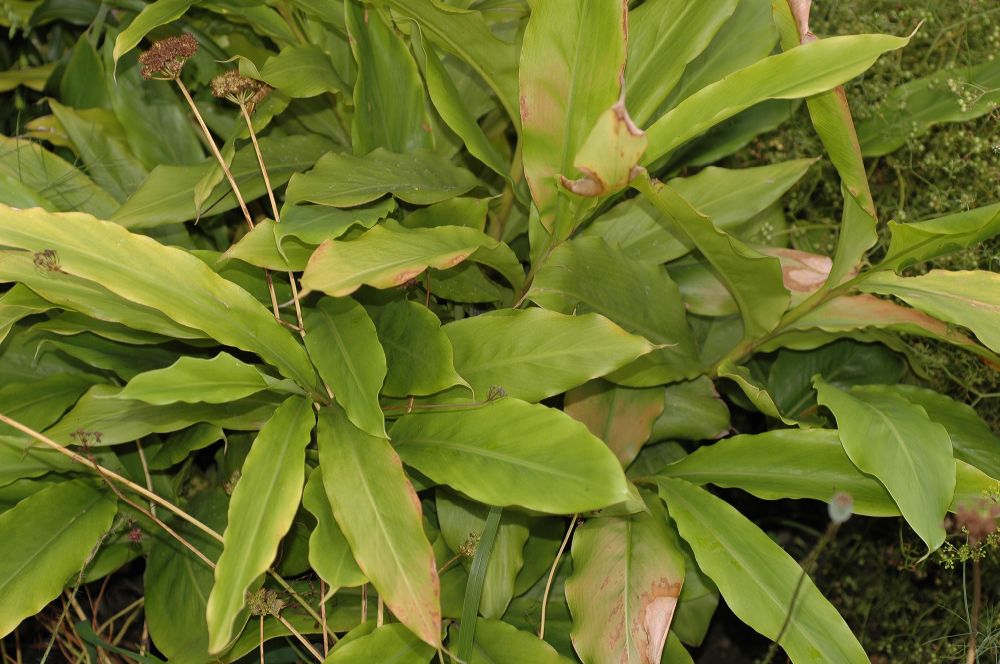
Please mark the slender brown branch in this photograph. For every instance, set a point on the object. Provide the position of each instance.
(232, 182)
(145, 493)
(277, 215)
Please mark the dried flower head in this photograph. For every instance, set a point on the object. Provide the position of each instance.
(165, 59)
(239, 89)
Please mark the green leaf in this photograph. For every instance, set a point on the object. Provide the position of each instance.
(153, 15)
(924, 240)
(21, 459)
(572, 57)
(41, 402)
(911, 109)
(754, 391)
(845, 315)
(83, 83)
(177, 583)
(972, 439)
(121, 421)
(620, 416)
(169, 280)
(148, 113)
(785, 463)
(33, 78)
(693, 411)
(831, 117)
(462, 521)
(453, 110)
(758, 579)
(87, 297)
(970, 298)
(329, 553)
(343, 344)
(388, 255)
(388, 92)
(754, 280)
(731, 197)
(49, 538)
(801, 72)
(842, 363)
(302, 71)
(380, 515)
(418, 353)
(509, 452)
(535, 353)
(64, 185)
(105, 354)
(98, 139)
(467, 36)
(260, 513)
(288, 245)
(664, 36)
(627, 577)
(894, 440)
(178, 446)
(587, 275)
(500, 643)
(165, 197)
(220, 379)
(343, 180)
(388, 643)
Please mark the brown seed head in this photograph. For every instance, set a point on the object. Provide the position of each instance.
(166, 57)
(239, 89)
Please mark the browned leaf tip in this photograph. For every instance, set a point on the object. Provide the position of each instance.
(166, 57)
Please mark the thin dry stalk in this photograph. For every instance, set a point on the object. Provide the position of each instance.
(552, 574)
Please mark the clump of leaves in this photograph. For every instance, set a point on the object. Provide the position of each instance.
(454, 377)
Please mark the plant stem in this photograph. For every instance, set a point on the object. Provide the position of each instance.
(274, 211)
(977, 603)
(232, 184)
(552, 574)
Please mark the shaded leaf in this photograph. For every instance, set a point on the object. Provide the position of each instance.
(388, 92)
(587, 275)
(302, 71)
(49, 537)
(343, 180)
(418, 353)
(620, 416)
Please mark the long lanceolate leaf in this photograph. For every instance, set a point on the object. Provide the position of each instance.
(260, 513)
(758, 579)
(802, 72)
(47, 538)
(571, 64)
(380, 515)
(166, 279)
